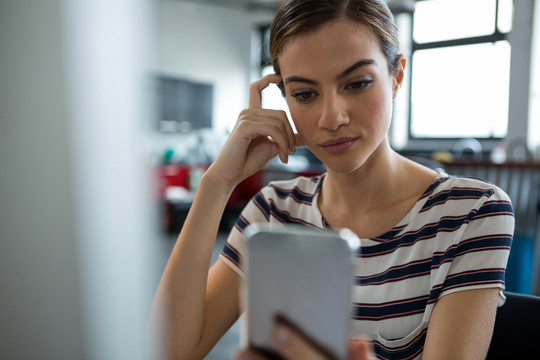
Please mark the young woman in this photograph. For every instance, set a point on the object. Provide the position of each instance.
(434, 247)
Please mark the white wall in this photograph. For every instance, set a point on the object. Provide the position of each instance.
(209, 44)
(106, 66)
(40, 307)
(76, 220)
(521, 68)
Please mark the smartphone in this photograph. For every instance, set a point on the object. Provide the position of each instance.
(302, 275)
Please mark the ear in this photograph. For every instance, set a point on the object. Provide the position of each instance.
(399, 75)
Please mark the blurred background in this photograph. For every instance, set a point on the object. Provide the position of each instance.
(111, 111)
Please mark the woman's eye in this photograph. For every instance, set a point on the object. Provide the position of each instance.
(359, 85)
(304, 96)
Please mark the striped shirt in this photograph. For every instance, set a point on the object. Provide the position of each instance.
(456, 237)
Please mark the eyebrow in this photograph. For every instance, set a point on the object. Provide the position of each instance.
(359, 64)
(350, 69)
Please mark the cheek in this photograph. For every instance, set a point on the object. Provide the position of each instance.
(301, 119)
(378, 110)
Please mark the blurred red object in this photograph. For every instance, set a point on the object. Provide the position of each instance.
(245, 191)
(172, 175)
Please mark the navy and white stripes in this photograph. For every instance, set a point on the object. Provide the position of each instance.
(456, 237)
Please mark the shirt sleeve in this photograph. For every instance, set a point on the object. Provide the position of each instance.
(479, 258)
(234, 251)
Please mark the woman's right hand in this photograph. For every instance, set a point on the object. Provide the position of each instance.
(258, 136)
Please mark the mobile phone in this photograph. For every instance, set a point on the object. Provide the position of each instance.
(302, 275)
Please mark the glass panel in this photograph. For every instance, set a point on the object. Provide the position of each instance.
(461, 91)
(437, 20)
(506, 10)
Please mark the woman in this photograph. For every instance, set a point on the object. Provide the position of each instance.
(434, 247)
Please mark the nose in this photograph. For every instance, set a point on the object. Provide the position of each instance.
(334, 113)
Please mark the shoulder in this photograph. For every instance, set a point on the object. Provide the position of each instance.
(462, 199)
(462, 187)
(284, 201)
(300, 189)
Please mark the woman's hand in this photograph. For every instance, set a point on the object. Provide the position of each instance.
(293, 345)
(258, 136)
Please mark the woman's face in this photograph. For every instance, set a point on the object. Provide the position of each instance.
(339, 91)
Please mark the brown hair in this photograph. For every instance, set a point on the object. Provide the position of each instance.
(300, 16)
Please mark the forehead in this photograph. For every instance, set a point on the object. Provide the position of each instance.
(330, 49)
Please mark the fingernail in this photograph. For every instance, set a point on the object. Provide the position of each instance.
(281, 336)
(245, 356)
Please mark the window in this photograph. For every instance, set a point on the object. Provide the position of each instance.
(460, 69)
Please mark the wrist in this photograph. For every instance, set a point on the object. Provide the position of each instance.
(210, 182)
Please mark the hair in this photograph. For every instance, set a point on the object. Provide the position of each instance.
(300, 16)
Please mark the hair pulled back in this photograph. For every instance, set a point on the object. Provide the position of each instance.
(300, 16)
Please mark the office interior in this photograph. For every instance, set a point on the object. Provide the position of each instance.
(99, 165)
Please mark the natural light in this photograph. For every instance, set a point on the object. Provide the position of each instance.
(461, 91)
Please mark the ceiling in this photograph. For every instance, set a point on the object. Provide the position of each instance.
(397, 6)
(271, 5)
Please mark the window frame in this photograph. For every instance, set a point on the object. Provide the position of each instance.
(427, 142)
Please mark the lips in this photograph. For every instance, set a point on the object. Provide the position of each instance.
(335, 146)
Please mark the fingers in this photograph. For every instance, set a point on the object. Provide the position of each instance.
(293, 345)
(254, 123)
(256, 88)
(248, 354)
(274, 124)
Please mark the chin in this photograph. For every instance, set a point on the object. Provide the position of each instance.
(343, 163)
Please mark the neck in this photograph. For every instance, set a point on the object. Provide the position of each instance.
(368, 187)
